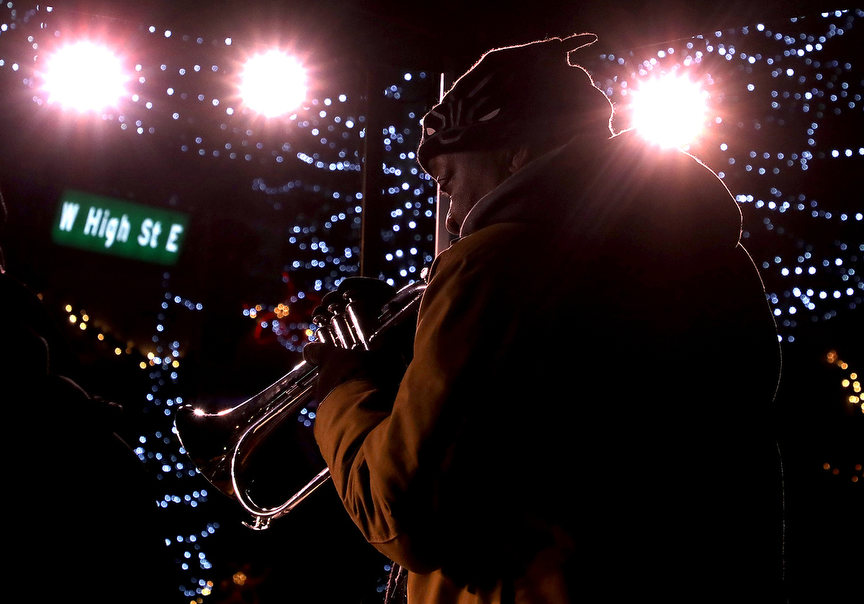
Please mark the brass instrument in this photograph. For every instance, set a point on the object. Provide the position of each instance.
(237, 448)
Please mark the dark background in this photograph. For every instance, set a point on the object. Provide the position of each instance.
(449, 35)
(315, 555)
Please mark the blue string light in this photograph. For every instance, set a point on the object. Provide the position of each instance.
(781, 94)
(781, 97)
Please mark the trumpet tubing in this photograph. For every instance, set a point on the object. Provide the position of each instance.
(237, 449)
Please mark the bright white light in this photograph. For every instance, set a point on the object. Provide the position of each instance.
(84, 76)
(669, 110)
(273, 83)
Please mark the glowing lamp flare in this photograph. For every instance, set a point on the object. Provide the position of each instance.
(669, 111)
(273, 83)
(84, 76)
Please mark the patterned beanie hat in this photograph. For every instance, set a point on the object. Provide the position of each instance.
(513, 90)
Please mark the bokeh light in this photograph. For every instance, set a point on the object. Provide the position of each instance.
(84, 76)
(782, 96)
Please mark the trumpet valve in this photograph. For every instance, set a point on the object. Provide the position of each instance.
(323, 333)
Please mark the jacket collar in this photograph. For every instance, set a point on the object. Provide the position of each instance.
(589, 185)
(517, 199)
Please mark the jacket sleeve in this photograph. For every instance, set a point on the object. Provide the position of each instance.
(387, 462)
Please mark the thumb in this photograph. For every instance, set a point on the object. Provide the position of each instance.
(312, 353)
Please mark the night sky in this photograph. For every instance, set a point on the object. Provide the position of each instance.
(279, 210)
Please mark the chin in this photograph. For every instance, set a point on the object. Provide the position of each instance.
(452, 225)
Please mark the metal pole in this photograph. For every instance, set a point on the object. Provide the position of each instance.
(442, 202)
(372, 177)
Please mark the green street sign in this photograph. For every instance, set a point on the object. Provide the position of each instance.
(117, 227)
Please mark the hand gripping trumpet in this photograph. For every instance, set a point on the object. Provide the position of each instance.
(240, 450)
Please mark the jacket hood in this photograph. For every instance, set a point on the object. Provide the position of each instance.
(617, 187)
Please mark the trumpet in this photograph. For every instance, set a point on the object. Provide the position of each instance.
(242, 450)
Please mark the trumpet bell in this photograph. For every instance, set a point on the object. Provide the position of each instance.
(260, 452)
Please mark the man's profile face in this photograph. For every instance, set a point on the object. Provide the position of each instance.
(465, 177)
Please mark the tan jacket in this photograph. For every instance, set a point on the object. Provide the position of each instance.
(576, 415)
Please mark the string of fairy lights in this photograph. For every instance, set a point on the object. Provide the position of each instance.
(780, 95)
(779, 98)
(320, 148)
